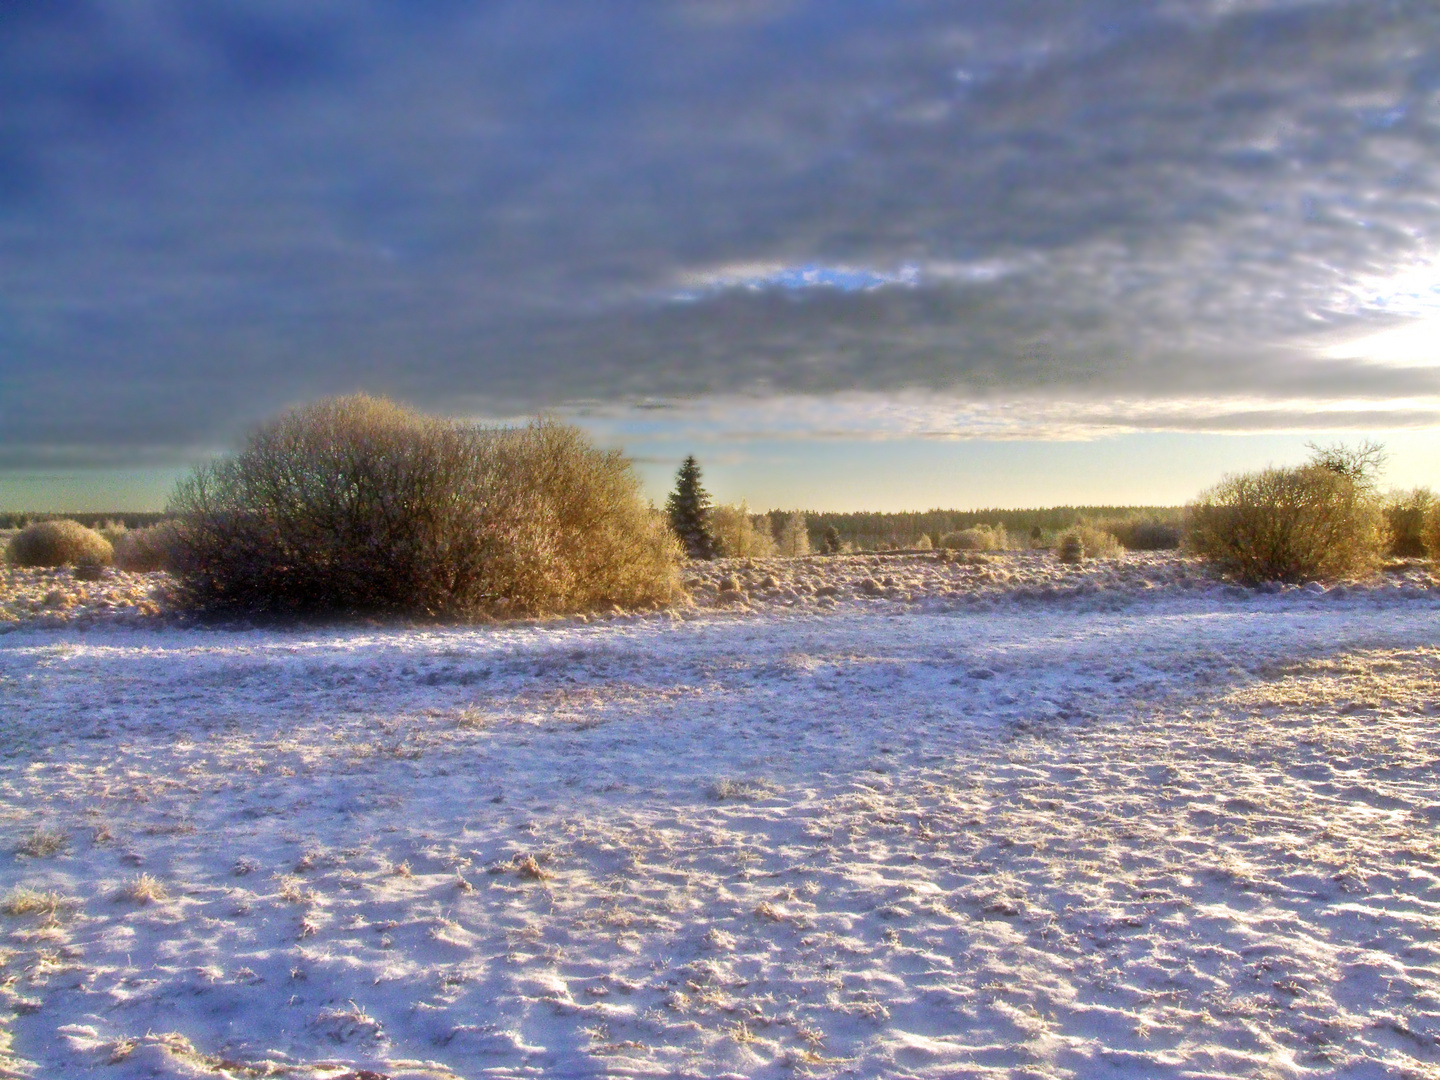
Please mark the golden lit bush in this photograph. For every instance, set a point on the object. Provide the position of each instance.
(1295, 524)
(143, 551)
(977, 538)
(357, 505)
(1430, 531)
(1406, 513)
(737, 536)
(59, 543)
(794, 539)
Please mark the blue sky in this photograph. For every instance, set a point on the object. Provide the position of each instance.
(1129, 243)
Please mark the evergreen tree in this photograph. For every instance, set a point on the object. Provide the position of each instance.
(689, 509)
(832, 540)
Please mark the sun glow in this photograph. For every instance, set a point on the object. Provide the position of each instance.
(1414, 344)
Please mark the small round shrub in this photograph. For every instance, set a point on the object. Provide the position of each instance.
(143, 551)
(357, 505)
(1294, 525)
(1085, 542)
(924, 543)
(1069, 548)
(59, 543)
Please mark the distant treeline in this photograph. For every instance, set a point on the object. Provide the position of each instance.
(130, 519)
(862, 529)
(869, 530)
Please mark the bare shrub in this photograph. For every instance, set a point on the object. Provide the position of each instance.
(977, 538)
(1295, 524)
(794, 537)
(738, 535)
(1406, 513)
(59, 543)
(357, 505)
(1431, 532)
(143, 551)
(1085, 541)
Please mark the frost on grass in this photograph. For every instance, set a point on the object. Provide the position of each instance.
(740, 790)
(44, 843)
(142, 889)
(23, 901)
(1192, 837)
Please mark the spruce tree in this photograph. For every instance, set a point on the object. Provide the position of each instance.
(689, 509)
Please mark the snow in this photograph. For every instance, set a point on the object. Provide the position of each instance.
(1148, 833)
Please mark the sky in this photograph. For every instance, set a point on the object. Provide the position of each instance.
(882, 254)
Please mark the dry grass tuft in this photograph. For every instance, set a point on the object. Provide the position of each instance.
(356, 505)
(43, 844)
(21, 901)
(727, 788)
(59, 543)
(143, 889)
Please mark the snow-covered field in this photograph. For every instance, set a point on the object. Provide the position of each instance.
(1061, 831)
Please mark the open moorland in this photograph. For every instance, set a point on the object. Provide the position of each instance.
(875, 816)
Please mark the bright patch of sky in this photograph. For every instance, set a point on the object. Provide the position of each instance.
(1410, 300)
(794, 278)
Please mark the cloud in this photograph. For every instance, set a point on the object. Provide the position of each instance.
(209, 210)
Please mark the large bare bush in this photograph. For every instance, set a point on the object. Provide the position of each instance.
(357, 505)
(59, 543)
(1318, 521)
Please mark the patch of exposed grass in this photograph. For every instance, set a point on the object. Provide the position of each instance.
(143, 889)
(43, 843)
(23, 901)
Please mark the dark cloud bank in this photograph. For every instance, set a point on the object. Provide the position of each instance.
(210, 209)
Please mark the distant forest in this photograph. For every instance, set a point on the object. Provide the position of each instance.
(870, 530)
(863, 530)
(130, 519)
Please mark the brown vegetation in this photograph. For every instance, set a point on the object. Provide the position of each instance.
(977, 538)
(1317, 521)
(143, 551)
(59, 543)
(357, 505)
